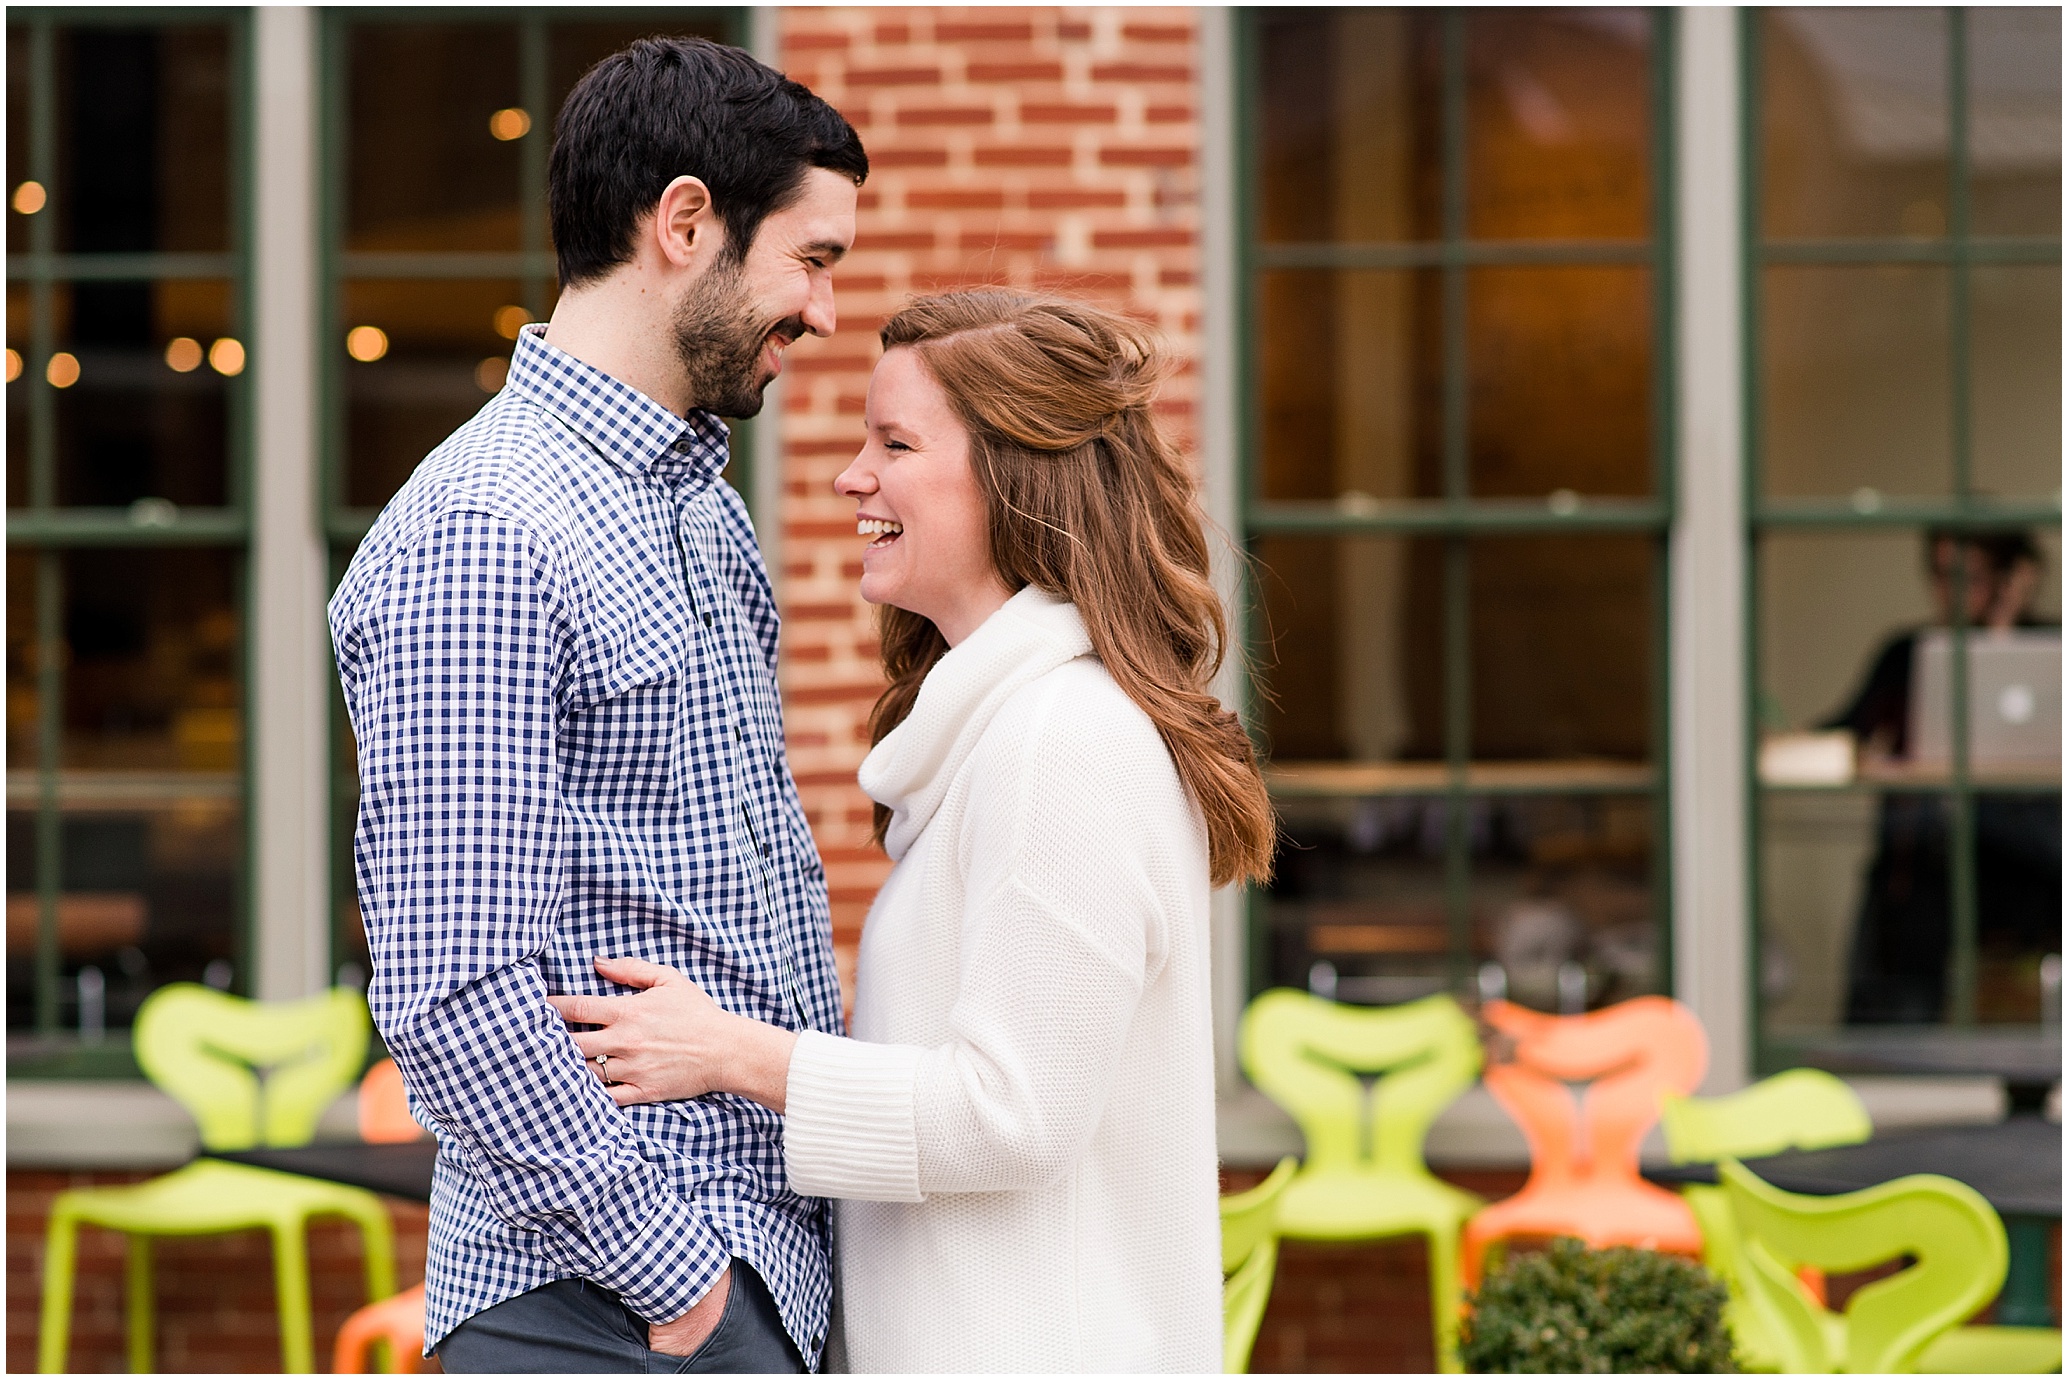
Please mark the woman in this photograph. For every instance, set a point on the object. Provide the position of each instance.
(1021, 1132)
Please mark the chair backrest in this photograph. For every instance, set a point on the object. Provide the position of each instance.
(252, 1073)
(1954, 1236)
(1249, 1260)
(1307, 1053)
(1631, 1054)
(384, 1107)
(1801, 1109)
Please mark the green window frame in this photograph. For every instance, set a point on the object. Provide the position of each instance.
(531, 265)
(1960, 251)
(1458, 517)
(51, 531)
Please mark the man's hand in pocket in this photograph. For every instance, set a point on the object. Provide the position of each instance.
(684, 1335)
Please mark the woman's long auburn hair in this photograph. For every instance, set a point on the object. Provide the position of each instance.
(1088, 502)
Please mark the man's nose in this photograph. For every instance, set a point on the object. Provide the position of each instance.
(819, 314)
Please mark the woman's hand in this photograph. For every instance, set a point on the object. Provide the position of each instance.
(671, 1041)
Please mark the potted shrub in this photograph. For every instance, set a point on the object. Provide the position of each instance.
(1570, 1310)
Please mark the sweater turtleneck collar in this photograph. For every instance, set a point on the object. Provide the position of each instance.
(1030, 635)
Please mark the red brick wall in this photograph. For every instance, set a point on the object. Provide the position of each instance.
(215, 1293)
(1052, 149)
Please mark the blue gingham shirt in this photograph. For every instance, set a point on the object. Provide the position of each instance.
(558, 646)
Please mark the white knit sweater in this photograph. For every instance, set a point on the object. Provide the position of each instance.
(1022, 1131)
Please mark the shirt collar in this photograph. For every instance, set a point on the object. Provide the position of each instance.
(631, 430)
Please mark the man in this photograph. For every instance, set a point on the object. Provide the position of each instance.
(558, 646)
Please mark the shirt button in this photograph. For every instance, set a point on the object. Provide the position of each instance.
(707, 620)
(683, 445)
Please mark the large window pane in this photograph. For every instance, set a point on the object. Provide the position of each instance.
(1349, 666)
(153, 669)
(1562, 646)
(1561, 369)
(1854, 123)
(1347, 125)
(2016, 376)
(424, 168)
(416, 359)
(145, 407)
(1560, 124)
(1557, 114)
(143, 139)
(1350, 648)
(1855, 370)
(1350, 372)
(2014, 121)
(1350, 365)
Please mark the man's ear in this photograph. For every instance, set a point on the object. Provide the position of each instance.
(685, 228)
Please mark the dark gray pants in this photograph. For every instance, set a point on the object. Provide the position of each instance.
(575, 1326)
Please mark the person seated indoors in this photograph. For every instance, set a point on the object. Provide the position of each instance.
(1902, 942)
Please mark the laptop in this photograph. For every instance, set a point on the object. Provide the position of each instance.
(2013, 697)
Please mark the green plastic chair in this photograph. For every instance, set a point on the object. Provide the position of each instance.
(1802, 1109)
(1365, 1176)
(207, 1049)
(1249, 1259)
(1896, 1324)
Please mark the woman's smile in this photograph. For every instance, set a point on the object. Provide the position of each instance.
(883, 530)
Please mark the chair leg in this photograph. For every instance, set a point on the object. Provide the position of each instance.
(143, 1307)
(377, 1244)
(291, 1286)
(1446, 1300)
(60, 1256)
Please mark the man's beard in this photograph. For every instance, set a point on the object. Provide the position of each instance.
(720, 343)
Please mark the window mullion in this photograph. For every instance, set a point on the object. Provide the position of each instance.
(1962, 977)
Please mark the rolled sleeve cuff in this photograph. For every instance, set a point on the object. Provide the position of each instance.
(668, 1258)
(849, 1130)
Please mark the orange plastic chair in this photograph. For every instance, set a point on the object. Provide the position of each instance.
(384, 1107)
(397, 1323)
(1583, 1178)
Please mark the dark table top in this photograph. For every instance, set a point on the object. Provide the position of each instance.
(2015, 1164)
(403, 1170)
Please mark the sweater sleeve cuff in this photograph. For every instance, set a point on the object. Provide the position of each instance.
(849, 1129)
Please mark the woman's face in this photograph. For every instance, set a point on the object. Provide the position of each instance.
(916, 500)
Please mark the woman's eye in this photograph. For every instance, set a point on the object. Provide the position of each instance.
(895, 445)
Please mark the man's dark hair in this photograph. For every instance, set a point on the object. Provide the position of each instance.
(2001, 547)
(666, 107)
